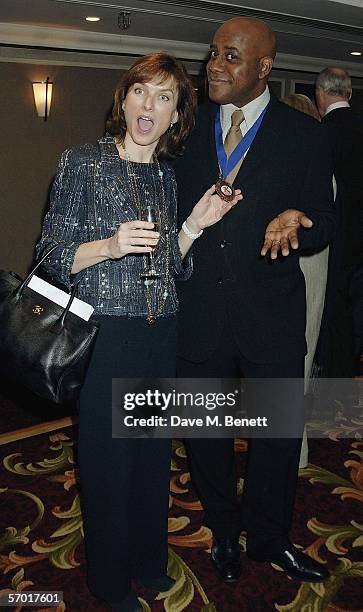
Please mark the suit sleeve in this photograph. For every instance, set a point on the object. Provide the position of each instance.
(64, 222)
(316, 198)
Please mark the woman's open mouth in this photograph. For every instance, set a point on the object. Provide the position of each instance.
(145, 124)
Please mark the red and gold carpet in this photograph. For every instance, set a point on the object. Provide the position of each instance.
(41, 537)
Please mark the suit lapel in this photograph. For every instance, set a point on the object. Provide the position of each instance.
(264, 145)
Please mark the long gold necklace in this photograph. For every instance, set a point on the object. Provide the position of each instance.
(152, 316)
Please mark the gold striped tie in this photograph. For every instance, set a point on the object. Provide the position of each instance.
(234, 135)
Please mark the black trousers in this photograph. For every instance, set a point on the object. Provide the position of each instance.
(272, 465)
(124, 482)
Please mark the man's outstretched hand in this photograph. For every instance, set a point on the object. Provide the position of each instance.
(281, 232)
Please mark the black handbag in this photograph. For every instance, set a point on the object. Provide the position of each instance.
(43, 346)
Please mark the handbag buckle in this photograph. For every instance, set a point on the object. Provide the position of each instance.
(37, 310)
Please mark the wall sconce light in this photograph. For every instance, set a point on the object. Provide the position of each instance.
(43, 97)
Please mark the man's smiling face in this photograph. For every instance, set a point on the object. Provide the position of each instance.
(237, 68)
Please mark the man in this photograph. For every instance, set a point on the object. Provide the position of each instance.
(345, 127)
(242, 313)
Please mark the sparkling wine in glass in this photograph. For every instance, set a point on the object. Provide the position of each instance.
(152, 214)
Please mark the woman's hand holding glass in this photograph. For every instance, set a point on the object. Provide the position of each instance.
(133, 237)
(152, 215)
(210, 209)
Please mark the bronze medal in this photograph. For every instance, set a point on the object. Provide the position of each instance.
(224, 190)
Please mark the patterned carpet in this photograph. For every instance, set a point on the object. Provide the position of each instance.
(41, 538)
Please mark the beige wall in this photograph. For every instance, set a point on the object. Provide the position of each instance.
(30, 147)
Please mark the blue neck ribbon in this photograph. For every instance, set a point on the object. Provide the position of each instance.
(227, 164)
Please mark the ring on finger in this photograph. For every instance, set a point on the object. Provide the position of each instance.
(276, 242)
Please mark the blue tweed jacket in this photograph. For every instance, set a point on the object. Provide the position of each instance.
(90, 198)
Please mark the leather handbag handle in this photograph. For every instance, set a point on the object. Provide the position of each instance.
(27, 280)
(57, 327)
(60, 323)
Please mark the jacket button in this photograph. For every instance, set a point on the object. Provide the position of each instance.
(223, 244)
(220, 281)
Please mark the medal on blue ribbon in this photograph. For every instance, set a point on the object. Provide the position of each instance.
(227, 164)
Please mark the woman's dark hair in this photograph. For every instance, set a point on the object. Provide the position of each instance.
(161, 66)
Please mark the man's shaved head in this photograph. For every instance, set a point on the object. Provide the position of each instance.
(259, 33)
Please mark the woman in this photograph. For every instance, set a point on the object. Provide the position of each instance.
(99, 196)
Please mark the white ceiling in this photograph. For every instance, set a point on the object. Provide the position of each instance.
(310, 33)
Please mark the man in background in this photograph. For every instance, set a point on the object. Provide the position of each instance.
(340, 343)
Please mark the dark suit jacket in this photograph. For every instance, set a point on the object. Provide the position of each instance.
(288, 166)
(345, 131)
(346, 135)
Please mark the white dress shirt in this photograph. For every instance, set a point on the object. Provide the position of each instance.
(340, 104)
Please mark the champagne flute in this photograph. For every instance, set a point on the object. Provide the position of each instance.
(151, 213)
